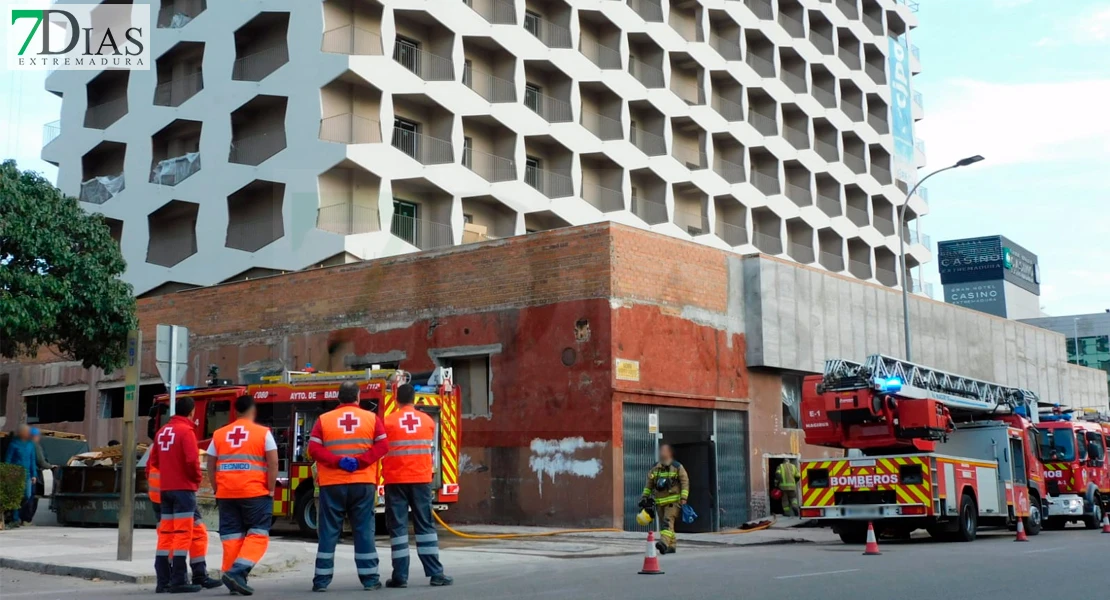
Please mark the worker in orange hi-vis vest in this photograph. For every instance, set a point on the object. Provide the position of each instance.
(198, 547)
(408, 484)
(243, 467)
(175, 459)
(347, 444)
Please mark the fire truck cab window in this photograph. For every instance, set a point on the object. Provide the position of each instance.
(1095, 448)
(1057, 444)
(218, 415)
(1017, 452)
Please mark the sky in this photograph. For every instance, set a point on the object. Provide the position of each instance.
(1025, 83)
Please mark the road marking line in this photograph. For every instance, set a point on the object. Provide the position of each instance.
(1044, 550)
(817, 574)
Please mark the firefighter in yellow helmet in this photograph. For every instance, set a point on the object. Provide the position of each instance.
(669, 486)
(787, 476)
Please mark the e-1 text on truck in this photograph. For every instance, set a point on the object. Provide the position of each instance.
(941, 452)
(1076, 471)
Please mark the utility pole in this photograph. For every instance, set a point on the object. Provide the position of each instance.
(125, 543)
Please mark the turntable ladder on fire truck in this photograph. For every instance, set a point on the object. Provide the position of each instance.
(956, 392)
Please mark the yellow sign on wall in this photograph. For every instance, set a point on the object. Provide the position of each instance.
(628, 370)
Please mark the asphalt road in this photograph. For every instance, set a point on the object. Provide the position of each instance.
(992, 568)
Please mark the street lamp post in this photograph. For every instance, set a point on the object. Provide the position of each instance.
(963, 162)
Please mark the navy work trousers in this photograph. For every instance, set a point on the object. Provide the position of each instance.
(399, 498)
(356, 501)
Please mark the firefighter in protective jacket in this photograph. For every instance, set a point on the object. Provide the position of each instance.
(667, 489)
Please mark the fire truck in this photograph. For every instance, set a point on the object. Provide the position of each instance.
(1076, 470)
(290, 403)
(935, 450)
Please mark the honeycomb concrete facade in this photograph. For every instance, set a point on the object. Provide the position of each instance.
(288, 134)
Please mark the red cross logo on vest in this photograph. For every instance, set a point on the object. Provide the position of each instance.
(166, 438)
(410, 422)
(237, 436)
(349, 422)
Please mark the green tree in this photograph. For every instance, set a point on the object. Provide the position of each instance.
(60, 272)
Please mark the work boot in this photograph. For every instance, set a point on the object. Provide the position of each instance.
(393, 583)
(184, 588)
(207, 583)
(372, 587)
(161, 588)
(661, 547)
(318, 588)
(237, 584)
(441, 580)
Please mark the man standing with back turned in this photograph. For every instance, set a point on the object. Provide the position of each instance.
(408, 484)
(243, 467)
(347, 444)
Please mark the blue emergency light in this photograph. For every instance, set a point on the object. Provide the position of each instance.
(892, 384)
(184, 388)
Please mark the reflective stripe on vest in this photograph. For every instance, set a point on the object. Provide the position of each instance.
(347, 431)
(154, 484)
(411, 455)
(241, 460)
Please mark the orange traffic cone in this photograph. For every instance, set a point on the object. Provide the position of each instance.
(872, 547)
(1021, 537)
(651, 559)
(1105, 523)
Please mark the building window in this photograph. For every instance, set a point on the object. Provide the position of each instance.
(59, 407)
(468, 73)
(406, 136)
(791, 401)
(407, 52)
(532, 22)
(532, 97)
(532, 174)
(467, 158)
(472, 375)
(468, 218)
(405, 215)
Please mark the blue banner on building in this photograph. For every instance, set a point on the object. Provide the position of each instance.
(901, 111)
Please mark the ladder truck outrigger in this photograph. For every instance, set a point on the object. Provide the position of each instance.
(935, 450)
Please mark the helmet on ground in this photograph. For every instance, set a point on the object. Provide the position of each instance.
(776, 494)
(643, 518)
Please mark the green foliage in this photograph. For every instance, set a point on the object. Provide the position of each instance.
(59, 276)
(13, 479)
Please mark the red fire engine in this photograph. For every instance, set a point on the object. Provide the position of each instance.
(289, 405)
(937, 451)
(1076, 471)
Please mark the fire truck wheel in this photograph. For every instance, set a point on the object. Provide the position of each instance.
(852, 533)
(304, 506)
(1035, 519)
(1094, 519)
(969, 520)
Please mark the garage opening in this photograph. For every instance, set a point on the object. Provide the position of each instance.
(690, 434)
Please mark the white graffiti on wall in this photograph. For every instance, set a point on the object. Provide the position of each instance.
(551, 458)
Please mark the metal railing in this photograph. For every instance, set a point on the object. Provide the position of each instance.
(914, 237)
(923, 192)
(551, 34)
(850, 58)
(690, 156)
(104, 114)
(422, 233)
(96, 191)
(601, 55)
(859, 269)
(822, 43)
(854, 111)
(174, 170)
(762, 123)
(178, 15)
(349, 128)
(256, 66)
(884, 225)
(553, 184)
(793, 26)
(731, 111)
(348, 219)
(730, 171)
(175, 92)
(256, 149)
(919, 100)
(648, 143)
(797, 137)
(649, 10)
(488, 166)
(425, 149)
(424, 64)
(824, 97)
(650, 76)
(874, 25)
(692, 222)
(878, 123)
(832, 262)
(728, 49)
(50, 132)
(761, 8)
(733, 235)
(167, 248)
(857, 215)
(497, 12)
(760, 65)
(828, 205)
(855, 163)
(767, 244)
(881, 174)
(848, 7)
(490, 87)
(826, 150)
(352, 40)
(795, 82)
(253, 232)
(877, 74)
(802, 196)
(768, 184)
(915, 52)
(886, 277)
(649, 211)
(801, 253)
(552, 110)
(605, 128)
(605, 199)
